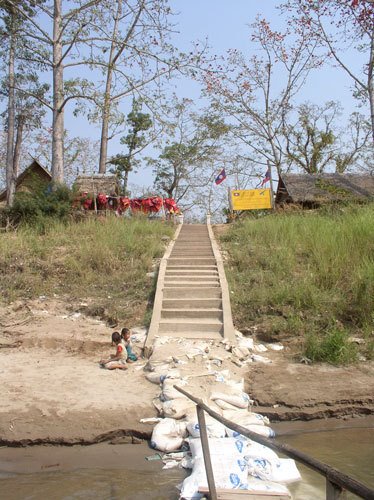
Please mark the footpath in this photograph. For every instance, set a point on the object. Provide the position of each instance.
(194, 346)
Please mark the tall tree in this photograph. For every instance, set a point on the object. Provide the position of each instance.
(192, 143)
(310, 143)
(341, 26)
(257, 94)
(22, 112)
(49, 48)
(135, 140)
(140, 58)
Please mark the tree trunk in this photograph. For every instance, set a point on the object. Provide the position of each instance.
(371, 83)
(58, 98)
(17, 147)
(107, 96)
(10, 178)
(125, 182)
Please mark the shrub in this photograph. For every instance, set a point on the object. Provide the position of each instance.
(334, 347)
(37, 208)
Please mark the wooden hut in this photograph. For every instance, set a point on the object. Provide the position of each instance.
(315, 190)
(33, 177)
(98, 183)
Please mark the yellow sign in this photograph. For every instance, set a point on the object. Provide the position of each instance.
(251, 199)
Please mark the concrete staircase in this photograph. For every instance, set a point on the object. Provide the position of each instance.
(192, 296)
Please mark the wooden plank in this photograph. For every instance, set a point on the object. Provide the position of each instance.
(226, 494)
(206, 453)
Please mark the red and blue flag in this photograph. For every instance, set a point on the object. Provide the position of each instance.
(267, 177)
(220, 177)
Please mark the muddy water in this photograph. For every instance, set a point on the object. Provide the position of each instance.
(121, 471)
(350, 450)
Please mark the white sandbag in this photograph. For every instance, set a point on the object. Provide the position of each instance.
(226, 406)
(229, 470)
(245, 417)
(241, 352)
(240, 399)
(283, 470)
(168, 391)
(217, 446)
(234, 386)
(261, 359)
(213, 427)
(177, 408)
(168, 435)
(158, 376)
(267, 486)
(261, 430)
(257, 450)
(246, 342)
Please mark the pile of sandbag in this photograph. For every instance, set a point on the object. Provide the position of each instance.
(237, 461)
(238, 464)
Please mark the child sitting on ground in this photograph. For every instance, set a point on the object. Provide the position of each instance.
(126, 340)
(117, 360)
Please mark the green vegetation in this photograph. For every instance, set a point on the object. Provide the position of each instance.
(101, 261)
(306, 279)
(40, 206)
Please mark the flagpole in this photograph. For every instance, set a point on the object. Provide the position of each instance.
(271, 187)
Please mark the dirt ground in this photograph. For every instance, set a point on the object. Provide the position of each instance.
(53, 390)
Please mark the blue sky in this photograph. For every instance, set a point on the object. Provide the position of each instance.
(225, 24)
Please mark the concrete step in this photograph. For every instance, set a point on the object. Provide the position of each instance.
(194, 261)
(199, 292)
(185, 283)
(191, 272)
(193, 249)
(202, 268)
(192, 314)
(192, 255)
(175, 276)
(190, 303)
(190, 325)
(197, 244)
(195, 335)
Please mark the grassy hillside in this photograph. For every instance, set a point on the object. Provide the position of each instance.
(306, 279)
(101, 261)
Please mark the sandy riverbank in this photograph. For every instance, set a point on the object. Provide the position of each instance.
(53, 390)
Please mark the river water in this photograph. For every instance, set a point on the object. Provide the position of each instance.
(117, 472)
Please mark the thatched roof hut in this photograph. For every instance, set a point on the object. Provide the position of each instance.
(98, 183)
(319, 189)
(34, 176)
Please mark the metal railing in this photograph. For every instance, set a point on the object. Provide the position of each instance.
(337, 483)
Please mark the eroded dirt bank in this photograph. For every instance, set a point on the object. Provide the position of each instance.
(53, 390)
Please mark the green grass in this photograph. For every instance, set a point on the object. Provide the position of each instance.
(104, 261)
(297, 274)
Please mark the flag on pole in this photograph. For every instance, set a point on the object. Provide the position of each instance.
(220, 177)
(267, 177)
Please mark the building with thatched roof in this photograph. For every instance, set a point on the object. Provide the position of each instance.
(32, 178)
(319, 189)
(98, 183)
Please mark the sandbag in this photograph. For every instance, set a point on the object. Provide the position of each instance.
(168, 391)
(213, 427)
(239, 399)
(261, 430)
(168, 435)
(243, 417)
(231, 447)
(229, 467)
(158, 376)
(282, 470)
(176, 408)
